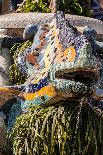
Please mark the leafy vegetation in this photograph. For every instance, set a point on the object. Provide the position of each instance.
(15, 74)
(32, 6)
(69, 6)
(57, 131)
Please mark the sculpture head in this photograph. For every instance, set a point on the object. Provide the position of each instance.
(66, 57)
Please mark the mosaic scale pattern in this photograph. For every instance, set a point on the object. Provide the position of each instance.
(61, 64)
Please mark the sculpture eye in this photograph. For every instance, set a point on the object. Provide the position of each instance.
(70, 54)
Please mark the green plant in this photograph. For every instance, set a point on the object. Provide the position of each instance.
(69, 6)
(15, 74)
(32, 6)
(76, 7)
(57, 131)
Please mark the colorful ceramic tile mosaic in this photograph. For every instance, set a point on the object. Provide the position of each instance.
(61, 64)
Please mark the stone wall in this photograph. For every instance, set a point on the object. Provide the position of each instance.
(16, 22)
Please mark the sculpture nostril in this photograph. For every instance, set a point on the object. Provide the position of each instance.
(86, 77)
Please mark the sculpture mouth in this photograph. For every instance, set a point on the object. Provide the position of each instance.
(86, 76)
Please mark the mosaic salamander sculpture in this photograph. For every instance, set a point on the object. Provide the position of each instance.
(61, 64)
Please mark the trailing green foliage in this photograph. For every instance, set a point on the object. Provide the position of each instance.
(78, 7)
(3, 148)
(32, 6)
(15, 75)
(56, 131)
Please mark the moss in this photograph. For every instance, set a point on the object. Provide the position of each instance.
(15, 74)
